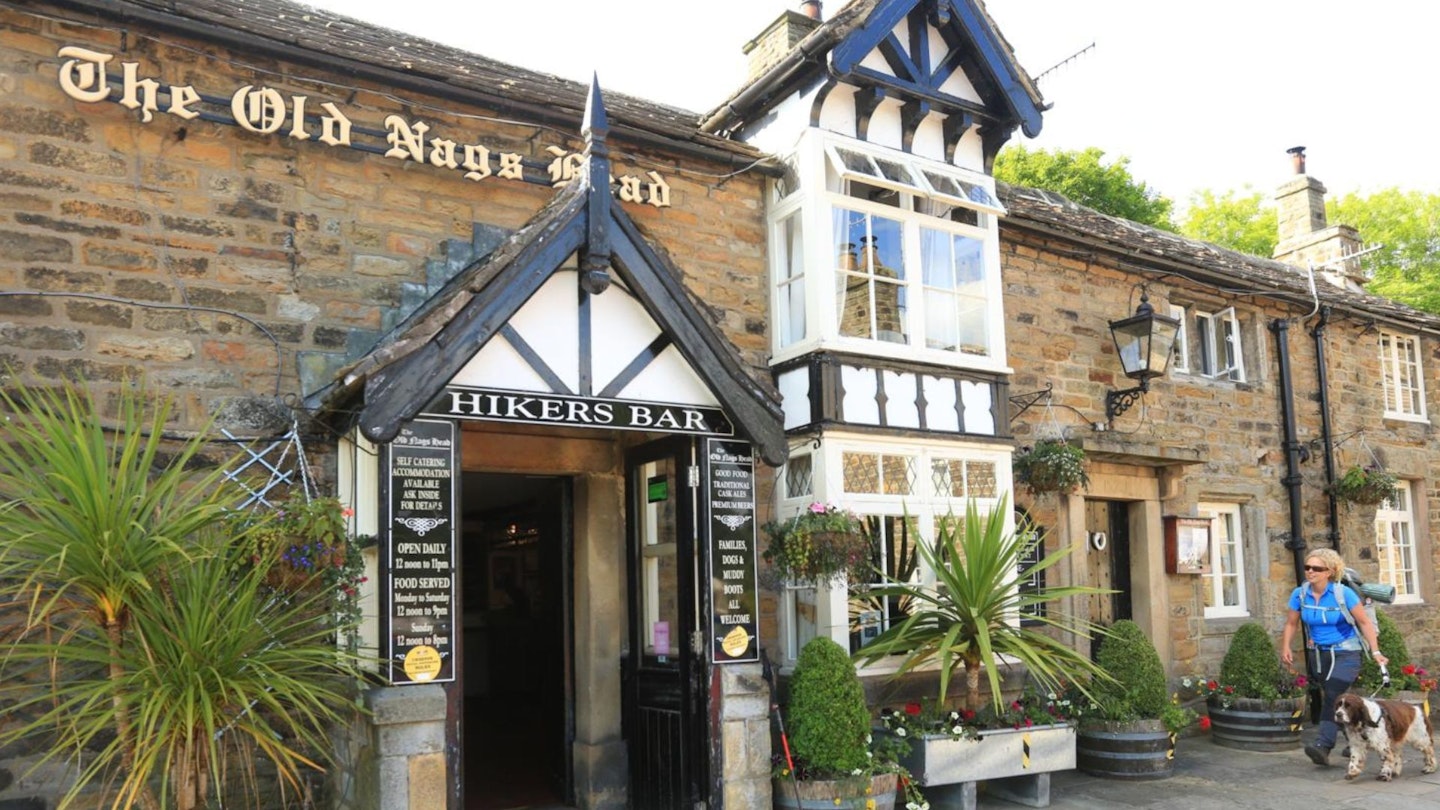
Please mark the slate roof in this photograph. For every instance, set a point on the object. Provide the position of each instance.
(1147, 248)
(335, 42)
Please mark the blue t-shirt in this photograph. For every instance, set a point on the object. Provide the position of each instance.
(1323, 617)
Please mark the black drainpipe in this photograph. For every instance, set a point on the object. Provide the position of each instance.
(1324, 376)
(1292, 481)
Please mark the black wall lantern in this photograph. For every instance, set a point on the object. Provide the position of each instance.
(1145, 342)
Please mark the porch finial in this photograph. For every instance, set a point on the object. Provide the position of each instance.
(595, 256)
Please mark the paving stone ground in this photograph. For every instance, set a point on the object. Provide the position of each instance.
(1209, 776)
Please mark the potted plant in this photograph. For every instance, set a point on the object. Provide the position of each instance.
(1254, 705)
(964, 623)
(1051, 465)
(1364, 485)
(1132, 733)
(828, 746)
(821, 544)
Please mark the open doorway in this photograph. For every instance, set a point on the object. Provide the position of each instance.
(517, 719)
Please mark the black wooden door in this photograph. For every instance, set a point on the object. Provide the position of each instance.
(665, 719)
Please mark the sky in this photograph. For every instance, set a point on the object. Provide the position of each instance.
(1197, 95)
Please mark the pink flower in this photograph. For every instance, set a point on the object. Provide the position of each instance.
(817, 508)
(347, 512)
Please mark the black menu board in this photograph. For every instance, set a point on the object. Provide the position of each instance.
(730, 469)
(419, 479)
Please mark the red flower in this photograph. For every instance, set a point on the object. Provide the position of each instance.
(1408, 669)
(1212, 685)
(1229, 690)
(968, 714)
(912, 709)
(1205, 724)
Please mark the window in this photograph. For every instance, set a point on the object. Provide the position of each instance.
(1027, 532)
(1400, 371)
(1181, 361)
(1395, 544)
(903, 494)
(1218, 335)
(790, 306)
(1225, 584)
(898, 257)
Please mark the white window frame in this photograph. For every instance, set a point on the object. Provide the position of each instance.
(1181, 361)
(1219, 337)
(1396, 542)
(1395, 364)
(923, 505)
(1227, 527)
(824, 176)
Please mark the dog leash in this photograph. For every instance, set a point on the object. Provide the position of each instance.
(1384, 679)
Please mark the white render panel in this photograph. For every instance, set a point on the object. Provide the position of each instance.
(940, 412)
(838, 114)
(886, 125)
(859, 402)
(776, 132)
(497, 365)
(900, 409)
(669, 378)
(876, 60)
(794, 388)
(957, 84)
(620, 329)
(970, 152)
(978, 402)
(549, 323)
(929, 139)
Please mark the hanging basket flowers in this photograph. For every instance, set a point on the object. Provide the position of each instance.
(1051, 465)
(821, 544)
(1365, 485)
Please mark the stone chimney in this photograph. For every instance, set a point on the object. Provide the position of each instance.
(780, 37)
(1305, 238)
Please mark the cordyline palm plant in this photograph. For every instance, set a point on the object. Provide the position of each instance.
(115, 551)
(970, 617)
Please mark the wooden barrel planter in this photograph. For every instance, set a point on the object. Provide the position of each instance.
(828, 794)
(1135, 751)
(1250, 724)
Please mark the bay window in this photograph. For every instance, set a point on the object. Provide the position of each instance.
(886, 253)
(903, 495)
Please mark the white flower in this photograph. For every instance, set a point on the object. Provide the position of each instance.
(1185, 682)
(900, 732)
(867, 739)
(855, 772)
(957, 729)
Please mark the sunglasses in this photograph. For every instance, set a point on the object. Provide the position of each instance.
(1316, 568)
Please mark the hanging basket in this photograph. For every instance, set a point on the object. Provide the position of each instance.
(819, 545)
(1364, 485)
(1051, 465)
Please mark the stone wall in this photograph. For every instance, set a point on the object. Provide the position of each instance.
(212, 258)
(1060, 296)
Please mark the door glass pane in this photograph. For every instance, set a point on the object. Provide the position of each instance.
(659, 589)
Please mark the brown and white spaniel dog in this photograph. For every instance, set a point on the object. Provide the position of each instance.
(1384, 725)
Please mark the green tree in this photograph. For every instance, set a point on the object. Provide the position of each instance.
(1407, 224)
(1243, 221)
(1084, 177)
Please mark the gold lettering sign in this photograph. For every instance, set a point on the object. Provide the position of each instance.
(266, 111)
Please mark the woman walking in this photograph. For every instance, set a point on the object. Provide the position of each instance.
(1334, 638)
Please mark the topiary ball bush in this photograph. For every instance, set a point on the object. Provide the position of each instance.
(1139, 689)
(1251, 665)
(828, 722)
